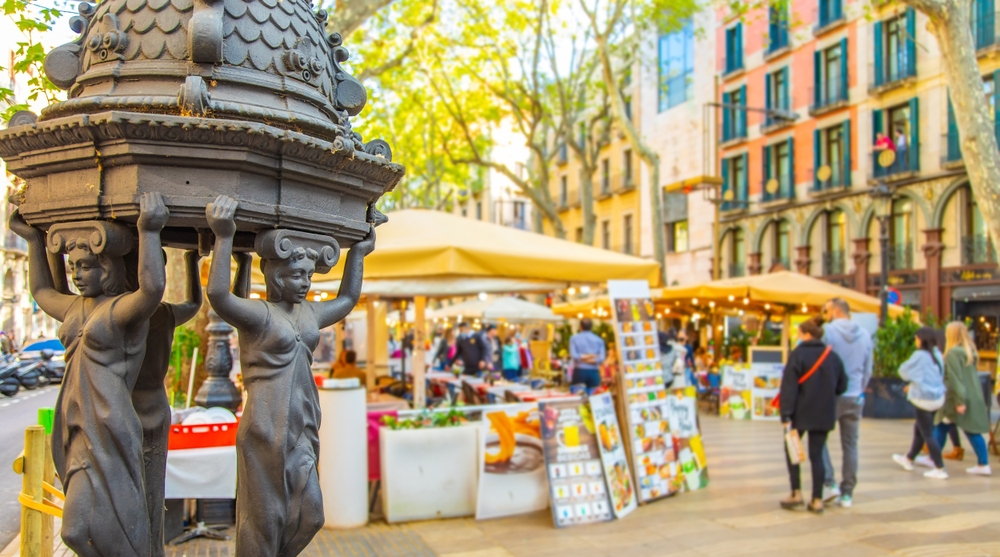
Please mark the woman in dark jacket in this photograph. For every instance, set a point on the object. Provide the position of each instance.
(809, 404)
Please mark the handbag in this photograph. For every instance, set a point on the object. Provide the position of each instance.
(793, 443)
(776, 401)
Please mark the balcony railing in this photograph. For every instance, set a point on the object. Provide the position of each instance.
(839, 178)
(737, 127)
(904, 164)
(832, 92)
(736, 270)
(786, 190)
(977, 250)
(833, 263)
(894, 69)
(900, 256)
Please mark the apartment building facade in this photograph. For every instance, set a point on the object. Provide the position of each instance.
(665, 100)
(843, 87)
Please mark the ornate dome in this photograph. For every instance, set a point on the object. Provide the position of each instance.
(262, 60)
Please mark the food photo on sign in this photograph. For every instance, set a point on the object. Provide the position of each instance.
(616, 470)
(735, 392)
(577, 486)
(682, 415)
(512, 477)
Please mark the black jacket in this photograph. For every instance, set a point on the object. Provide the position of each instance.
(471, 350)
(812, 406)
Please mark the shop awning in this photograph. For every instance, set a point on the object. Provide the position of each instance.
(505, 308)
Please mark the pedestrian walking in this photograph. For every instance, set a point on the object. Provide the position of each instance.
(511, 358)
(446, 349)
(964, 407)
(494, 354)
(588, 352)
(853, 344)
(673, 356)
(470, 350)
(810, 384)
(924, 374)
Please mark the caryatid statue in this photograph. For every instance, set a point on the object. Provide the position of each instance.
(279, 506)
(97, 436)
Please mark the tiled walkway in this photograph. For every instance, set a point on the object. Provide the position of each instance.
(895, 513)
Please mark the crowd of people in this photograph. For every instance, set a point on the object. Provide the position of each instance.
(823, 387)
(470, 352)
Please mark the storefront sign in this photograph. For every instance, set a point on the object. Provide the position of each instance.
(898, 279)
(577, 487)
(616, 469)
(970, 275)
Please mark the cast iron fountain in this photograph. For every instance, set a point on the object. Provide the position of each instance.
(192, 123)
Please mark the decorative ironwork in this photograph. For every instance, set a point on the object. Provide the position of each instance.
(977, 250)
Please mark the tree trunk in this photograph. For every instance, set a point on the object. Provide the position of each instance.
(587, 204)
(647, 154)
(951, 25)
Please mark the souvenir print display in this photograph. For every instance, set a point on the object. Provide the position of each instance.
(609, 440)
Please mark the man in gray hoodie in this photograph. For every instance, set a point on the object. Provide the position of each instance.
(854, 345)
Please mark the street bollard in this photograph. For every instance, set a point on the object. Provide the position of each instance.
(32, 470)
(46, 417)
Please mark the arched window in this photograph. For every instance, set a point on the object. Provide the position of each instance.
(782, 243)
(976, 245)
(737, 254)
(901, 235)
(835, 243)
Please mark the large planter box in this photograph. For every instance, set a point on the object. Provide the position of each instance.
(884, 398)
(429, 473)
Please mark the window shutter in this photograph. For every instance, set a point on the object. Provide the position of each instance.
(726, 118)
(879, 53)
(786, 94)
(876, 125)
(911, 42)
(742, 114)
(768, 102)
(988, 22)
(996, 103)
(845, 155)
(738, 47)
(817, 78)
(817, 160)
(914, 149)
(772, 27)
(744, 184)
(766, 165)
(844, 69)
(726, 186)
(791, 168)
(954, 151)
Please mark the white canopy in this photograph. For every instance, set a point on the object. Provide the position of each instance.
(506, 308)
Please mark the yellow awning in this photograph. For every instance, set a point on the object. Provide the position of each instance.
(418, 243)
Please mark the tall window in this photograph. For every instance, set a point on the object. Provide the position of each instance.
(831, 76)
(627, 233)
(779, 176)
(677, 236)
(734, 48)
(901, 124)
(606, 234)
(519, 215)
(734, 182)
(563, 191)
(983, 23)
(782, 243)
(676, 67)
(836, 242)
(777, 26)
(830, 11)
(895, 48)
(976, 245)
(777, 96)
(737, 254)
(734, 115)
(627, 168)
(901, 254)
(832, 156)
(605, 176)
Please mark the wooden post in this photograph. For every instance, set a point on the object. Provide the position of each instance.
(786, 324)
(31, 487)
(370, 344)
(419, 364)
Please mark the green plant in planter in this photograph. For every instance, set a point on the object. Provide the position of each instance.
(894, 344)
(185, 341)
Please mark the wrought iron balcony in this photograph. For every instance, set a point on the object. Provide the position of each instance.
(901, 256)
(833, 263)
(978, 249)
(736, 270)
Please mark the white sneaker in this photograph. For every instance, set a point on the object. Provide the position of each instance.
(925, 461)
(830, 492)
(936, 474)
(845, 501)
(983, 470)
(901, 460)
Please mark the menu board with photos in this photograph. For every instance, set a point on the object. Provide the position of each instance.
(577, 488)
(616, 469)
(641, 391)
(766, 387)
(735, 394)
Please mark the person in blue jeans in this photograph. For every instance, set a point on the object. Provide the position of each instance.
(964, 406)
(511, 358)
(587, 350)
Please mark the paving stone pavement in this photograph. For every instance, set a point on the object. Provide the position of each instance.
(895, 513)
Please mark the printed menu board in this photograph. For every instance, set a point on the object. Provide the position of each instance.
(766, 387)
(577, 487)
(735, 393)
(641, 391)
(512, 476)
(616, 470)
(682, 415)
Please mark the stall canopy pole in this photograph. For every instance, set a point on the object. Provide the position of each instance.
(370, 341)
(419, 358)
(786, 324)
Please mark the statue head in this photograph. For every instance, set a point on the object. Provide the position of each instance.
(288, 260)
(96, 249)
(290, 279)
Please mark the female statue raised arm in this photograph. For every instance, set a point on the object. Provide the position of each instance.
(279, 507)
(97, 437)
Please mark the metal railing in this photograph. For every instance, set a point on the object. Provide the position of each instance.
(828, 13)
(736, 270)
(839, 178)
(901, 256)
(894, 69)
(903, 164)
(978, 249)
(830, 93)
(737, 127)
(833, 263)
(786, 190)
